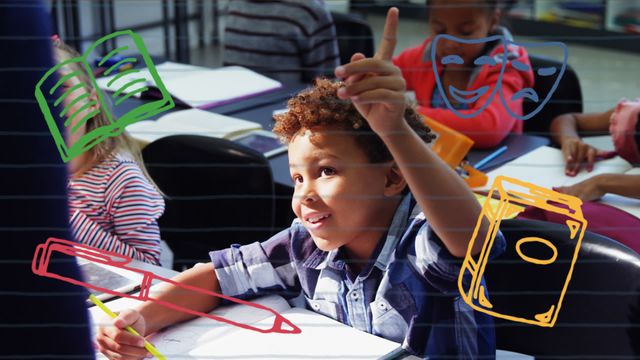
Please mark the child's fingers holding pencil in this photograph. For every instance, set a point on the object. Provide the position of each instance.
(117, 350)
(118, 341)
(121, 356)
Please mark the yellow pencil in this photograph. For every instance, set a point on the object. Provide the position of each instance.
(147, 345)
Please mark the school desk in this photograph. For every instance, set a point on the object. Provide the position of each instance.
(202, 338)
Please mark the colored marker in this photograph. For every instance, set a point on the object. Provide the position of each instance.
(43, 254)
(490, 157)
(147, 345)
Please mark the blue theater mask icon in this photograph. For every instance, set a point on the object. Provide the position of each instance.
(531, 94)
(502, 61)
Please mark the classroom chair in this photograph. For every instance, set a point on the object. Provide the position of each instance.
(566, 99)
(600, 314)
(217, 193)
(354, 35)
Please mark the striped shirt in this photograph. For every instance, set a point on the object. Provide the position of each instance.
(291, 41)
(406, 293)
(113, 207)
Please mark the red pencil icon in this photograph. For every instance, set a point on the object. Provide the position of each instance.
(43, 253)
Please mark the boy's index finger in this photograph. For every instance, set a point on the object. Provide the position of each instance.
(389, 36)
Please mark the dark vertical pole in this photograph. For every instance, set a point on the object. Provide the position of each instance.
(72, 24)
(102, 4)
(112, 22)
(216, 31)
(182, 30)
(165, 29)
(201, 18)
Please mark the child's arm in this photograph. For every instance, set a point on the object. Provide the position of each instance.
(600, 185)
(564, 132)
(115, 341)
(242, 272)
(568, 125)
(377, 89)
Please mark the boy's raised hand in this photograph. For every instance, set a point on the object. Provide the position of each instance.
(375, 85)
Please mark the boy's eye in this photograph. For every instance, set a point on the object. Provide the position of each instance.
(328, 171)
(297, 179)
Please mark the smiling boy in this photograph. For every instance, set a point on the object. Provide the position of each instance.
(361, 250)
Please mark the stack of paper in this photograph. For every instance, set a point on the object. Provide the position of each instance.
(191, 122)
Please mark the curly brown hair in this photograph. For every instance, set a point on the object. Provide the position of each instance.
(320, 106)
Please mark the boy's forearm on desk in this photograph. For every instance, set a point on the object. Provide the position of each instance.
(157, 316)
(445, 198)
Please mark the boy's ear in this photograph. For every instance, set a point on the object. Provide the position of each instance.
(395, 183)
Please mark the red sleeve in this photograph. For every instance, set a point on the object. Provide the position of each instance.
(494, 123)
(408, 61)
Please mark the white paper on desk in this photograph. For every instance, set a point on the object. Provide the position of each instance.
(167, 70)
(321, 338)
(545, 166)
(184, 338)
(215, 86)
(604, 142)
(204, 338)
(191, 122)
(200, 86)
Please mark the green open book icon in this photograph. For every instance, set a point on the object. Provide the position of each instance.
(48, 85)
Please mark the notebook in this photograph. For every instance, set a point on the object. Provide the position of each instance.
(545, 167)
(203, 338)
(201, 87)
(109, 277)
(191, 122)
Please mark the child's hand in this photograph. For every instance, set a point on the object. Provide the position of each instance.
(576, 153)
(375, 85)
(588, 190)
(116, 342)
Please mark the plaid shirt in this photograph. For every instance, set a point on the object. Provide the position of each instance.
(407, 292)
